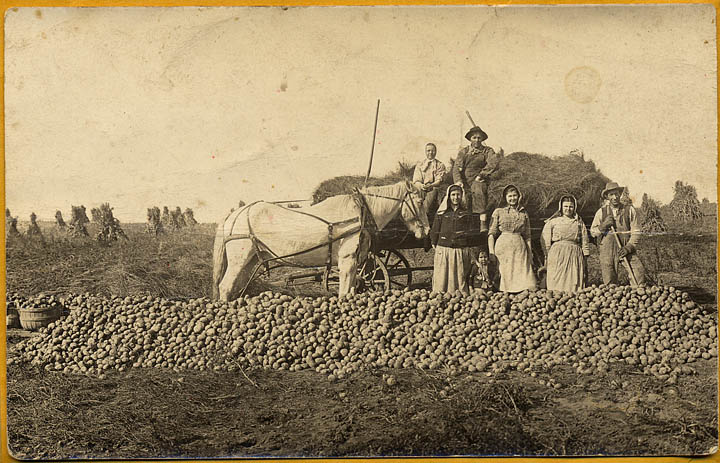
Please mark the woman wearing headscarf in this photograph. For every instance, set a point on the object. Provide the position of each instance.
(509, 241)
(566, 245)
(452, 235)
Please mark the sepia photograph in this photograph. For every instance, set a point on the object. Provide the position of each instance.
(360, 231)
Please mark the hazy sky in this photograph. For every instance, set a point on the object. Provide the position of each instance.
(200, 107)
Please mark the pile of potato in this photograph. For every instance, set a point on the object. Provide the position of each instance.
(658, 329)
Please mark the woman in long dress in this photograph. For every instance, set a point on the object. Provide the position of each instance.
(566, 244)
(509, 241)
(451, 236)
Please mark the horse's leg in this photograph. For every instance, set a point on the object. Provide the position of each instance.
(347, 263)
(241, 259)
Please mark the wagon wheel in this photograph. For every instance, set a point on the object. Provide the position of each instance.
(372, 275)
(398, 268)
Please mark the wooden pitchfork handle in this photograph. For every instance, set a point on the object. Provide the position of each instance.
(470, 117)
(624, 258)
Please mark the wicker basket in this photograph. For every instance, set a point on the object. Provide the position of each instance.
(33, 318)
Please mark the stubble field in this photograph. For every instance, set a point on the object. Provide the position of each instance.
(160, 412)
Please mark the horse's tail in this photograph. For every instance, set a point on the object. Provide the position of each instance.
(219, 259)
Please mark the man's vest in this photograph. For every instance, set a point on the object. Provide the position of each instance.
(622, 223)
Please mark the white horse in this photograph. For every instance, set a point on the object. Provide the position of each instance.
(327, 233)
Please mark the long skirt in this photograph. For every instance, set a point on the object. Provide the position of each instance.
(565, 267)
(451, 269)
(514, 262)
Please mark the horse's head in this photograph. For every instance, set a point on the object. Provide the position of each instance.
(414, 212)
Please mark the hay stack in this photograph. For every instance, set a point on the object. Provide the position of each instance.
(542, 180)
(96, 215)
(34, 232)
(168, 220)
(11, 231)
(685, 205)
(178, 218)
(59, 222)
(189, 217)
(344, 185)
(154, 224)
(110, 226)
(78, 222)
(652, 221)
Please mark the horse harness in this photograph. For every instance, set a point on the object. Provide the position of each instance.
(366, 226)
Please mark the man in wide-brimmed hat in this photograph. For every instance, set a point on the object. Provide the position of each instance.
(617, 217)
(472, 168)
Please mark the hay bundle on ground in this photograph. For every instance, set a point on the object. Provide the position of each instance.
(11, 231)
(178, 218)
(168, 220)
(59, 222)
(685, 205)
(78, 222)
(154, 224)
(652, 221)
(189, 217)
(96, 215)
(34, 232)
(110, 226)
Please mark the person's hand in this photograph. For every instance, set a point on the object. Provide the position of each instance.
(626, 250)
(608, 222)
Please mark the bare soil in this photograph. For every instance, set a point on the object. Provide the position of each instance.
(144, 413)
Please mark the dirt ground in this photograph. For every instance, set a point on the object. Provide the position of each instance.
(156, 413)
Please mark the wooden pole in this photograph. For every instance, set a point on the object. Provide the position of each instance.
(470, 117)
(625, 260)
(372, 149)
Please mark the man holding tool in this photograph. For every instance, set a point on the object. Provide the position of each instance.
(472, 168)
(620, 221)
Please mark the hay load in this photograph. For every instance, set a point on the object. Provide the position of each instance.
(345, 184)
(542, 180)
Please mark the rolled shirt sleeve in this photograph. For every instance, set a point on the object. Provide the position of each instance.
(546, 237)
(595, 226)
(494, 225)
(584, 239)
(440, 171)
(417, 174)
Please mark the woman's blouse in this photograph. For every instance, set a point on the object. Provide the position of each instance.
(510, 220)
(455, 229)
(566, 229)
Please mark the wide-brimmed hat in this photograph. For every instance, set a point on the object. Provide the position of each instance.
(478, 130)
(609, 187)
